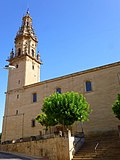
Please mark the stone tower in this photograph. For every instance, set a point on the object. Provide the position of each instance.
(25, 59)
(27, 71)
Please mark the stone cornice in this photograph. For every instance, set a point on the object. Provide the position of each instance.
(18, 37)
(16, 58)
(15, 90)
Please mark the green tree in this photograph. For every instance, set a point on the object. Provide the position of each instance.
(116, 107)
(44, 121)
(65, 109)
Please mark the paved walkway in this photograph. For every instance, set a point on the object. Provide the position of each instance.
(12, 156)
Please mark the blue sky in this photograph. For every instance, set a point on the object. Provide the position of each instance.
(74, 35)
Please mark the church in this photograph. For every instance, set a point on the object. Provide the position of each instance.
(25, 92)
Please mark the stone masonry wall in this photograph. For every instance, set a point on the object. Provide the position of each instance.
(53, 148)
(105, 87)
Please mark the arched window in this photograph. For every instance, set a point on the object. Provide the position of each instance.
(88, 86)
(27, 24)
(19, 51)
(16, 112)
(33, 66)
(33, 123)
(58, 90)
(34, 97)
(32, 53)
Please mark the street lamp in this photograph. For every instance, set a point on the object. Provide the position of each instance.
(9, 67)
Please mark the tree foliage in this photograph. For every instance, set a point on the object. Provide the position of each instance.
(116, 107)
(44, 120)
(65, 109)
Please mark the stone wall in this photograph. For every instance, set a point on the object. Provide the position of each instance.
(105, 87)
(54, 148)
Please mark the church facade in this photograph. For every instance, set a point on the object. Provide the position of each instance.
(25, 92)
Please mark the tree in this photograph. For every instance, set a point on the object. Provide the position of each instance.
(44, 121)
(116, 107)
(65, 109)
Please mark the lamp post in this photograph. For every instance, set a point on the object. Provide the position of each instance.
(9, 67)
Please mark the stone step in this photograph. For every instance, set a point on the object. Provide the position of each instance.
(85, 158)
(103, 158)
(108, 149)
(108, 137)
(116, 152)
(97, 156)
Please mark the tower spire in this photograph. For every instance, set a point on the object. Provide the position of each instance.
(28, 12)
(26, 40)
(26, 28)
(25, 58)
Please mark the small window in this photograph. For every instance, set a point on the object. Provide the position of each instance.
(16, 112)
(32, 53)
(118, 77)
(19, 51)
(33, 123)
(19, 82)
(88, 86)
(17, 96)
(33, 67)
(27, 24)
(34, 97)
(58, 90)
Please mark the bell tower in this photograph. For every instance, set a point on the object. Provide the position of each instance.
(25, 59)
(26, 63)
